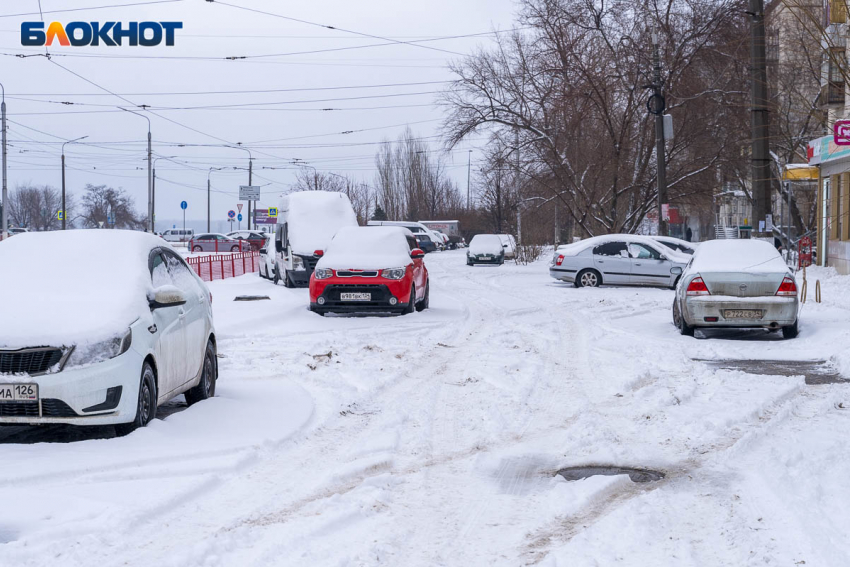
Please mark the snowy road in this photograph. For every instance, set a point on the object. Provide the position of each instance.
(434, 439)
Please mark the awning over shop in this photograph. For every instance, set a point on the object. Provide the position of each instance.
(800, 172)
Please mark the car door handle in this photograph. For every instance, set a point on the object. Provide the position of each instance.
(181, 314)
(637, 263)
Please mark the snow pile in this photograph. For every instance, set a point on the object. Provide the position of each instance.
(485, 244)
(367, 248)
(72, 287)
(751, 256)
(313, 217)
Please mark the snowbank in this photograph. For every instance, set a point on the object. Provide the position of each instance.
(72, 287)
(751, 256)
(485, 244)
(313, 217)
(367, 248)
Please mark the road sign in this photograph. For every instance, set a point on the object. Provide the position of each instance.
(239, 207)
(231, 214)
(184, 205)
(100, 223)
(239, 218)
(841, 133)
(272, 212)
(60, 215)
(249, 193)
(261, 216)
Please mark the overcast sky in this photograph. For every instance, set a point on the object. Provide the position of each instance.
(278, 129)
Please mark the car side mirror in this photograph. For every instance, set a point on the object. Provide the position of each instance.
(417, 253)
(166, 296)
(318, 253)
(676, 271)
(278, 245)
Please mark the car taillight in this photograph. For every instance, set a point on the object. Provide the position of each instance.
(697, 287)
(560, 259)
(788, 287)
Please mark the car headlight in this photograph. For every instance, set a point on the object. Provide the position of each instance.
(98, 352)
(323, 273)
(298, 263)
(393, 273)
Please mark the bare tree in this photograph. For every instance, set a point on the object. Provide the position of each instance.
(100, 201)
(37, 207)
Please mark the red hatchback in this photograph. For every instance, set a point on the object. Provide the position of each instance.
(370, 270)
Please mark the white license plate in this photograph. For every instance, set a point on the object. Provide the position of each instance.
(743, 314)
(355, 296)
(18, 393)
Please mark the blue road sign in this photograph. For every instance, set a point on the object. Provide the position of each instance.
(184, 205)
(273, 212)
(231, 214)
(239, 218)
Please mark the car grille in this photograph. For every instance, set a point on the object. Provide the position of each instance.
(350, 274)
(380, 295)
(49, 408)
(29, 361)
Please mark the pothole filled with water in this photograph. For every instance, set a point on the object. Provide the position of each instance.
(816, 372)
(635, 475)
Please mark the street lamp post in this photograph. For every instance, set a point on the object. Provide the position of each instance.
(468, 177)
(64, 212)
(153, 192)
(209, 173)
(150, 170)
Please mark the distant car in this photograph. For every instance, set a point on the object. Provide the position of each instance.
(178, 234)
(425, 242)
(485, 249)
(17, 230)
(677, 244)
(509, 245)
(212, 242)
(370, 269)
(255, 238)
(737, 283)
(129, 327)
(618, 259)
(438, 239)
(267, 258)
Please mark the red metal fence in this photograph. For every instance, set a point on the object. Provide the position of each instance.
(224, 266)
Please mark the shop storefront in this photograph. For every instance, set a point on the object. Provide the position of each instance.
(833, 202)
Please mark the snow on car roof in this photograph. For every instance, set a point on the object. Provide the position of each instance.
(751, 256)
(582, 245)
(367, 248)
(485, 244)
(313, 217)
(73, 287)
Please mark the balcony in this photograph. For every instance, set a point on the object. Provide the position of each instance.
(832, 93)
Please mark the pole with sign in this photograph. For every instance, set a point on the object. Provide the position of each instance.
(239, 217)
(184, 205)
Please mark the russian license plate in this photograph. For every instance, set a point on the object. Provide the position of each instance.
(18, 393)
(355, 296)
(743, 314)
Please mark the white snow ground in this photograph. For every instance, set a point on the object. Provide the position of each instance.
(433, 439)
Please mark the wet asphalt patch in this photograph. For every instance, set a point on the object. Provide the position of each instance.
(635, 475)
(816, 372)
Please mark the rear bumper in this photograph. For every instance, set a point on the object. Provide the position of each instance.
(563, 274)
(777, 311)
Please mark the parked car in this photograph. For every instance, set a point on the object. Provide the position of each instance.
(307, 221)
(212, 242)
(425, 242)
(450, 229)
(253, 237)
(737, 283)
(370, 269)
(677, 244)
(129, 327)
(485, 249)
(178, 234)
(267, 258)
(509, 245)
(618, 259)
(438, 239)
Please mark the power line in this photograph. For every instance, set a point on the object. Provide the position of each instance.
(88, 8)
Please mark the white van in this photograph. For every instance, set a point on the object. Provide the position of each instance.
(178, 234)
(427, 240)
(307, 221)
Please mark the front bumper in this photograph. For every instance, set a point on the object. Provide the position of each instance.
(64, 395)
(563, 274)
(381, 290)
(479, 260)
(777, 311)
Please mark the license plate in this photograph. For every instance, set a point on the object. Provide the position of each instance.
(743, 314)
(18, 393)
(355, 296)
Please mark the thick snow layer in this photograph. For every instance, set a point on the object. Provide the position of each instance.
(313, 217)
(72, 287)
(485, 244)
(367, 248)
(433, 440)
(751, 256)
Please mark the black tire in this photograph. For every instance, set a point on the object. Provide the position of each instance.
(287, 281)
(424, 304)
(234, 248)
(679, 321)
(791, 331)
(588, 278)
(469, 262)
(209, 375)
(146, 404)
(276, 274)
(197, 249)
(411, 305)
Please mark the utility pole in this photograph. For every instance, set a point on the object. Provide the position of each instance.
(250, 171)
(64, 212)
(4, 224)
(150, 168)
(468, 178)
(208, 192)
(657, 107)
(760, 118)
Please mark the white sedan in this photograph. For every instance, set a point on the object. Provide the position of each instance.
(124, 326)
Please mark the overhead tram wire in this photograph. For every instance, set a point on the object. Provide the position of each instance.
(146, 3)
(357, 108)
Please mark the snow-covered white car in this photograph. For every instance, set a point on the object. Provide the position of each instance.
(267, 258)
(485, 249)
(127, 326)
(509, 245)
(737, 283)
(618, 259)
(677, 244)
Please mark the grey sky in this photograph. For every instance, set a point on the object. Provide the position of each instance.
(277, 133)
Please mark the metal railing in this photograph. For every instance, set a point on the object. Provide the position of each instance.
(224, 266)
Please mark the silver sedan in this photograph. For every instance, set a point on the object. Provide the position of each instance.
(617, 259)
(736, 283)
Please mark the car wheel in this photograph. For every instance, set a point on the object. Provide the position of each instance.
(146, 404)
(588, 278)
(287, 281)
(423, 305)
(276, 275)
(684, 328)
(197, 249)
(791, 331)
(206, 387)
(234, 249)
(412, 303)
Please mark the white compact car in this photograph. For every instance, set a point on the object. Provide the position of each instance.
(126, 326)
(267, 258)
